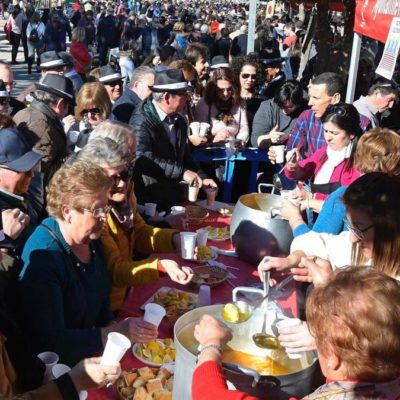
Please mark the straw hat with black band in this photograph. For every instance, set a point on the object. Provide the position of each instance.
(51, 59)
(108, 74)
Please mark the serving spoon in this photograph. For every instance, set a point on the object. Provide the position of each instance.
(263, 339)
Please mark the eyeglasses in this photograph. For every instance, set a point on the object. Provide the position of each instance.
(247, 76)
(94, 112)
(4, 100)
(337, 110)
(115, 83)
(124, 176)
(223, 90)
(98, 212)
(357, 232)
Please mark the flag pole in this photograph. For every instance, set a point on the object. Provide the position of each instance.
(353, 69)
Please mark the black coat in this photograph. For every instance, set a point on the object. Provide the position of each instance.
(160, 165)
(125, 106)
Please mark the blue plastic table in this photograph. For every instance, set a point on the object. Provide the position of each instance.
(253, 155)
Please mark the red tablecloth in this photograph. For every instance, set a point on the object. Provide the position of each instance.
(246, 275)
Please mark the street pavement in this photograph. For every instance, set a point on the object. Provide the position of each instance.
(21, 77)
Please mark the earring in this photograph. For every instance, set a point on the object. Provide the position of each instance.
(329, 366)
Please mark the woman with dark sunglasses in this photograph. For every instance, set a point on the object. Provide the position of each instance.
(93, 106)
(331, 166)
(125, 233)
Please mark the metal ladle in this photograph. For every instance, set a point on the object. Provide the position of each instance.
(263, 339)
(276, 180)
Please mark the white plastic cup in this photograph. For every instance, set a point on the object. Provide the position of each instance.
(177, 210)
(204, 296)
(154, 313)
(204, 127)
(286, 323)
(202, 236)
(280, 154)
(59, 370)
(116, 346)
(230, 151)
(150, 209)
(83, 394)
(50, 359)
(195, 128)
(193, 193)
(211, 193)
(188, 242)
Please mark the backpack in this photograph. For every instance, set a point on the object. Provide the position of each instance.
(34, 36)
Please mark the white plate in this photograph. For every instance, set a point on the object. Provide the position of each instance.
(213, 258)
(167, 289)
(216, 238)
(135, 352)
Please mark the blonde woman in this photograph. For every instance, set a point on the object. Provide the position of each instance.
(93, 106)
(80, 51)
(64, 284)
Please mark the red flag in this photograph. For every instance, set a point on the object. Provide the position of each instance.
(373, 17)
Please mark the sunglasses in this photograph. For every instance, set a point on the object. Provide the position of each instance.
(115, 83)
(124, 176)
(337, 110)
(223, 90)
(94, 112)
(247, 76)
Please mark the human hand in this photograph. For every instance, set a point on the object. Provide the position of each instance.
(268, 263)
(292, 158)
(88, 374)
(297, 338)
(136, 329)
(272, 155)
(313, 270)
(192, 178)
(275, 135)
(302, 196)
(180, 275)
(290, 211)
(197, 140)
(221, 136)
(68, 121)
(211, 331)
(14, 222)
(207, 182)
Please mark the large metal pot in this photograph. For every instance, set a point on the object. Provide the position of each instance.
(257, 229)
(298, 382)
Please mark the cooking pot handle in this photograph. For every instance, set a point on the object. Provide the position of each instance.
(275, 212)
(245, 370)
(267, 185)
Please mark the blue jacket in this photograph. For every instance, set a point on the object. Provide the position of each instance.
(330, 219)
(63, 306)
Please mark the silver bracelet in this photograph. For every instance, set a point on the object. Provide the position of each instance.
(209, 346)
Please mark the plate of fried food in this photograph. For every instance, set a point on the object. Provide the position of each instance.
(156, 352)
(195, 214)
(204, 254)
(225, 211)
(209, 275)
(146, 383)
(176, 302)
(218, 233)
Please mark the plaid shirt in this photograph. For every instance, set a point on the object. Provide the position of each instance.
(308, 133)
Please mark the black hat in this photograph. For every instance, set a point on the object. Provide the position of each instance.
(171, 80)
(58, 85)
(270, 56)
(3, 90)
(51, 59)
(15, 153)
(109, 74)
(219, 62)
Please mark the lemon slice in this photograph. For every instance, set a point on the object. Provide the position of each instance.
(230, 313)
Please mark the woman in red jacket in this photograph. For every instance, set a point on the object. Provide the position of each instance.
(354, 320)
(80, 52)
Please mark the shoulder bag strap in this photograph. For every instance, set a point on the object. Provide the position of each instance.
(62, 248)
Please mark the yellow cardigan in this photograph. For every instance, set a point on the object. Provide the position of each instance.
(119, 247)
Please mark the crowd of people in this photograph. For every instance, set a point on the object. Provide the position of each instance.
(108, 127)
